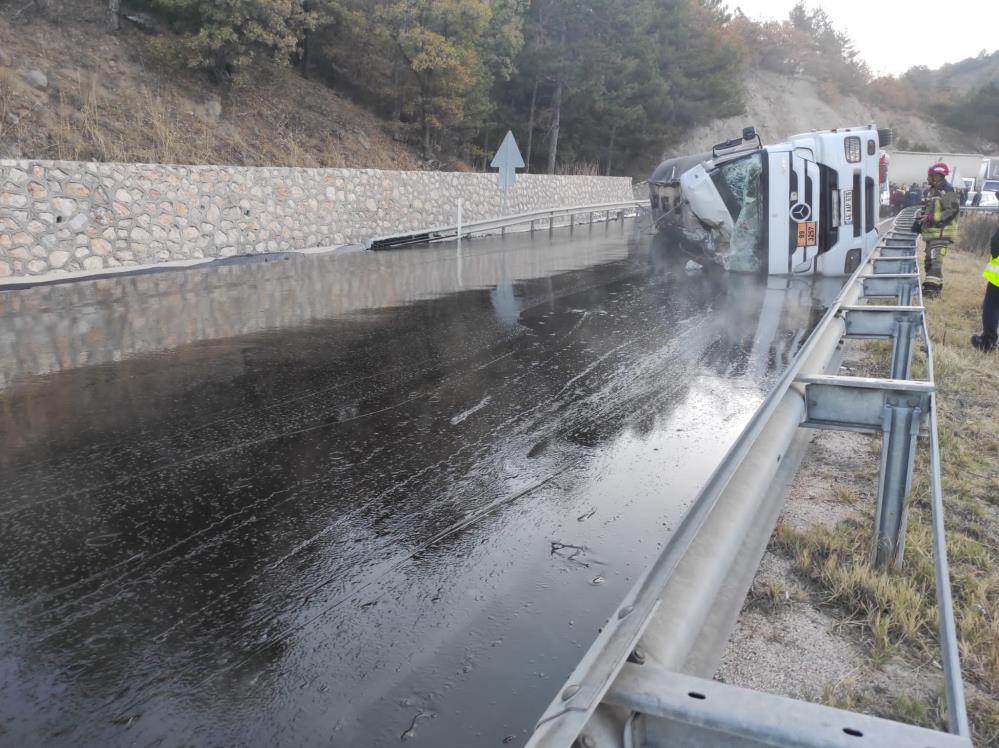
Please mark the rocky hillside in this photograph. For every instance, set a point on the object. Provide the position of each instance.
(780, 105)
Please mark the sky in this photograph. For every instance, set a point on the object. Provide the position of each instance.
(892, 37)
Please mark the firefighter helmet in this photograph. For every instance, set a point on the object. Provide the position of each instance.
(938, 168)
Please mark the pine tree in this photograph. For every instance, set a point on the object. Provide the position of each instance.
(230, 37)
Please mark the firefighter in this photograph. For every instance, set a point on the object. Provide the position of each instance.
(990, 306)
(938, 225)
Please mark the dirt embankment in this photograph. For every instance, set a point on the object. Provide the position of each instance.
(71, 90)
(779, 105)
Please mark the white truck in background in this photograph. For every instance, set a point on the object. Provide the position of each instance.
(988, 184)
(808, 205)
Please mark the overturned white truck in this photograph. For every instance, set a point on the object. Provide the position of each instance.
(808, 205)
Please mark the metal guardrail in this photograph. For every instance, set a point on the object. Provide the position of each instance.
(642, 683)
(610, 211)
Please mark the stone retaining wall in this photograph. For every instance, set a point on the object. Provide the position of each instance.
(63, 217)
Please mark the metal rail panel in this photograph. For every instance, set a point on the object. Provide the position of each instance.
(957, 713)
(879, 321)
(858, 404)
(897, 285)
(491, 225)
(894, 265)
(682, 710)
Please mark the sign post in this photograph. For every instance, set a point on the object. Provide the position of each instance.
(507, 160)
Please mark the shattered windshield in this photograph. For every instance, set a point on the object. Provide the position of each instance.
(739, 184)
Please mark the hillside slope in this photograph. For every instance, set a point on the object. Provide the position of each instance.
(107, 98)
(780, 105)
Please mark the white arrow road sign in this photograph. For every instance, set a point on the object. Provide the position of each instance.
(507, 160)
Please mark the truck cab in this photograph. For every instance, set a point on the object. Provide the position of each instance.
(808, 205)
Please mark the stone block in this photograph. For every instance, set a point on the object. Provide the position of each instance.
(15, 175)
(12, 200)
(75, 189)
(93, 263)
(58, 258)
(100, 247)
(65, 207)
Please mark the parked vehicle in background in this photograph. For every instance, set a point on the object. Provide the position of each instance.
(988, 197)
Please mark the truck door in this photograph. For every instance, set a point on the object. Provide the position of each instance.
(803, 212)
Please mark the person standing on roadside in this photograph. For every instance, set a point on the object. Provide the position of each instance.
(913, 197)
(990, 305)
(896, 199)
(937, 223)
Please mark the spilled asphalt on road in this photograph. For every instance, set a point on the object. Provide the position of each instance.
(354, 500)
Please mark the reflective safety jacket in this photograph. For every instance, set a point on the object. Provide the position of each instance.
(942, 205)
(991, 273)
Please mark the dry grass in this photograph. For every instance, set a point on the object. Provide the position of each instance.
(108, 99)
(87, 122)
(976, 231)
(897, 608)
(844, 694)
(579, 169)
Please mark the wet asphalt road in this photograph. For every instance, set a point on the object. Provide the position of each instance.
(401, 520)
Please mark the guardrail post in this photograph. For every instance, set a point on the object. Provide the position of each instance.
(900, 426)
(905, 293)
(901, 354)
(532, 227)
